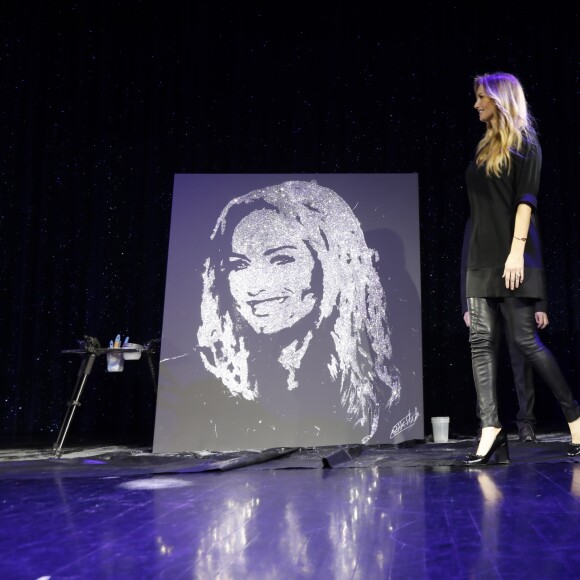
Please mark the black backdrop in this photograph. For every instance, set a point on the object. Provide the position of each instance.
(103, 102)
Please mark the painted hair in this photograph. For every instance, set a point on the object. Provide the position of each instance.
(512, 125)
(352, 297)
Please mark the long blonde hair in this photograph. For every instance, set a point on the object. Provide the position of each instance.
(512, 125)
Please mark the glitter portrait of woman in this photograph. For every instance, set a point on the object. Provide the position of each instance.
(292, 312)
(291, 279)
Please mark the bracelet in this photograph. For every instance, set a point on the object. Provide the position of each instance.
(521, 239)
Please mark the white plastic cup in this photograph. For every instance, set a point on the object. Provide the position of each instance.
(133, 355)
(440, 429)
(115, 362)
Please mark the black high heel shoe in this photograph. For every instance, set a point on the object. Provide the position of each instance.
(499, 447)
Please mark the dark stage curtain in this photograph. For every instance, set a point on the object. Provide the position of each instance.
(103, 102)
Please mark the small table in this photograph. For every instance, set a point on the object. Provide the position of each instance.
(91, 350)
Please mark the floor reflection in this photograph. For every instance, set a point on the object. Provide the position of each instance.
(484, 522)
(346, 521)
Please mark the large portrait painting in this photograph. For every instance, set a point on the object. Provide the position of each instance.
(292, 313)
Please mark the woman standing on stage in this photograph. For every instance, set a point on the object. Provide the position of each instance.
(505, 273)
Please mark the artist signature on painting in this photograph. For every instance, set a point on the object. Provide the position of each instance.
(405, 423)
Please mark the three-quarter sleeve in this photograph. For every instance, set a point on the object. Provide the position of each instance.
(528, 165)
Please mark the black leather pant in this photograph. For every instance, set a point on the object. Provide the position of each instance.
(484, 335)
(523, 381)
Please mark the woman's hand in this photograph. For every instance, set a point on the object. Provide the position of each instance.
(513, 272)
(541, 319)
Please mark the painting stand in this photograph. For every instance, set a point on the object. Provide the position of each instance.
(90, 351)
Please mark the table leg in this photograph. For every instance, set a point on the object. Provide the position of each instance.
(84, 371)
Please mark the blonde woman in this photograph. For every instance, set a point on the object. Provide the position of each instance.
(505, 272)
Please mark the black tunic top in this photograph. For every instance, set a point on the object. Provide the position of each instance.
(541, 304)
(493, 202)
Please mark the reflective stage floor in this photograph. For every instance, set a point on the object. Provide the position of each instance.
(352, 512)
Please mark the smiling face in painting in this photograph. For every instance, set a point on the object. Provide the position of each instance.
(270, 272)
